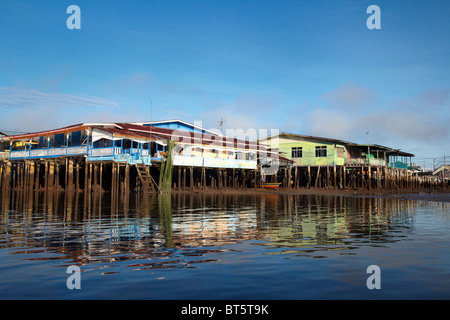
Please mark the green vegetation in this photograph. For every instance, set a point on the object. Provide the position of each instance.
(165, 176)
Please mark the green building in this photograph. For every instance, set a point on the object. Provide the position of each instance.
(317, 151)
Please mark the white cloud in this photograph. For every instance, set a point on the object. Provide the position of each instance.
(30, 110)
(351, 97)
(414, 124)
(31, 98)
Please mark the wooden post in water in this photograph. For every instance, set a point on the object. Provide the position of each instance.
(234, 178)
(224, 178)
(219, 177)
(100, 180)
(386, 178)
(317, 176)
(56, 173)
(1, 176)
(113, 179)
(77, 180)
(127, 178)
(66, 174)
(37, 175)
(309, 177)
(86, 174)
(90, 178)
(7, 176)
(191, 178)
(344, 170)
(46, 175)
(50, 175)
(95, 173)
(289, 177)
(335, 177)
(203, 177)
(70, 175)
(295, 184)
(27, 174)
(117, 177)
(30, 175)
(24, 174)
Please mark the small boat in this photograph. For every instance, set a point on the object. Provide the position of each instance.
(273, 185)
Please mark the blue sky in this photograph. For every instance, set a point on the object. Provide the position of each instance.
(307, 67)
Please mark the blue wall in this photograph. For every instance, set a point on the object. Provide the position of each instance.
(176, 125)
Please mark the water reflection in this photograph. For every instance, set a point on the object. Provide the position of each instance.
(142, 232)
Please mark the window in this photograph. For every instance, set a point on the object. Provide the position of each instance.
(75, 138)
(321, 151)
(42, 143)
(51, 141)
(296, 152)
(103, 143)
(60, 140)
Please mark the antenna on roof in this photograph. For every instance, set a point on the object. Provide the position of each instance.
(221, 122)
(150, 126)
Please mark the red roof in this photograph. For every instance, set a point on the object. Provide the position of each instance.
(151, 133)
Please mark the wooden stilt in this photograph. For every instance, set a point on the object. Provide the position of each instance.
(191, 179)
(127, 178)
(344, 176)
(317, 177)
(31, 175)
(334, 176)
(46, 175)
(37, 176)
(95, 174)
(77, 180)
(225, 179)
(309, 177)
(100, 180)
(90, 178)
(70, 175)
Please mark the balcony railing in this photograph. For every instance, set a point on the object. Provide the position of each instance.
(365, 162)
(4, 155)
(48, 153)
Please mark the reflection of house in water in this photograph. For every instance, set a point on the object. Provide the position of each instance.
(314, 224)
(89, 229)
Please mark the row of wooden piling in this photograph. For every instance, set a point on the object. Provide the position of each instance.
(77, 174)
(363, 177)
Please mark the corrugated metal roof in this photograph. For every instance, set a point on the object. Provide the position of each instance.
(150, 132)
(373, 147)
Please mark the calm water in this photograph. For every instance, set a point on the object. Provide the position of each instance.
(222, 247)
